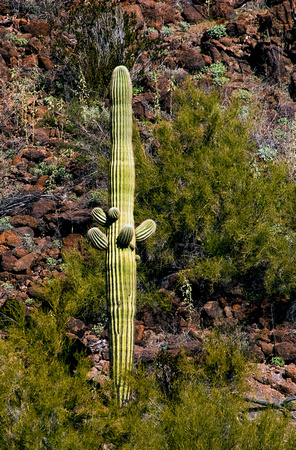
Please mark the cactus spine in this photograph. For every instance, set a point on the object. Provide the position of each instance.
(121, 237)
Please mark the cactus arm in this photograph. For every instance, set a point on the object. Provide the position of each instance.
(99, 216)
(98, 238)
(145, 230)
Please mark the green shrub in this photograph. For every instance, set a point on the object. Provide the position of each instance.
(219, 211)
(216, 32)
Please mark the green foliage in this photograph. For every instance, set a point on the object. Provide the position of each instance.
(219, 211)
(216, 71)
(166, 31)
(57, 174)
(216, 32)
(82, 289)
(4, 224)
(277, 361)
(22, 42)
(184, 26)
(47, 402)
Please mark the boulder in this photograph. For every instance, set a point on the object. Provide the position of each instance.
(286, 351)
(37, 28)
(24, 221)
(11, 239)
(25, 263)
(42, 207)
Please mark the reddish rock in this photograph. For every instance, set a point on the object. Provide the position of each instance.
(45, 62)
(24, 263)
(30, 61)
(290, 372)
(153, 13)
(221, 9)
(76, 326)
(35, 44)
(36, 154)
(41, 182)
(71, 241)
(266, 348)
(25, 231)
(190, 59)
(24, 221)
(5, 73)
(141, 107)
(42, 207)
(8, 261)
(210, 313)
(236, 29)
(37, 28)
(136, 10)
(20, 252)
(11, 239)
(147, 354)
(41, 138)
(286, 351)
(193, 13)
(139, 331)
(3, 249)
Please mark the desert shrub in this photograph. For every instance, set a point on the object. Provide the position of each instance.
(219, 211)
(81, 292)
(46, 400)
(216, 32)
(94, 38)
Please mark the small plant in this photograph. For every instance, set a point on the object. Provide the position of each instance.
(22, 42)
(28, 242)
(277, 361)
(4, 224)
(186, 290)
(216, 32)
(216, 71)
(52, 262)
(151, 29)
(29, 301)
(57, 174)
(98, 328)
(184, 26)
(267, 153)
(137, 90)
(243, 94)
(166, 31)
(7, 286)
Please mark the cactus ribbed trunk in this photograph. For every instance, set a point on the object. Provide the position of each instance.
(121, 238)
(121, 263)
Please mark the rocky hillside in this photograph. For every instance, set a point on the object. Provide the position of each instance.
(47, 190)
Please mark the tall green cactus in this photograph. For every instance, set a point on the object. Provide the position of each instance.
(121, 238)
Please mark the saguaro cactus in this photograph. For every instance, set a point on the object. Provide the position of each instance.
(121, 237)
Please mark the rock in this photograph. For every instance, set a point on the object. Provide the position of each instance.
(190, 59)
(286, 351)
(73, 221)
(221, 9)
(36, 154)
(147, 354)
(290, 372)
(42, 207)
(153, 13)
(11, 239)
(24, 263)
(267, 60)
(193, 13)
(136, 10)
(24, 221)
(45, 62)
(266, 348)
(41, 138)
(30, 61)
(35, 44)
(211, 313)
(71, 241)
(235, 29)
(5, 73)
(8, 261)
(37, 28)
(25, 231)
(76, 327)
(139, 331)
